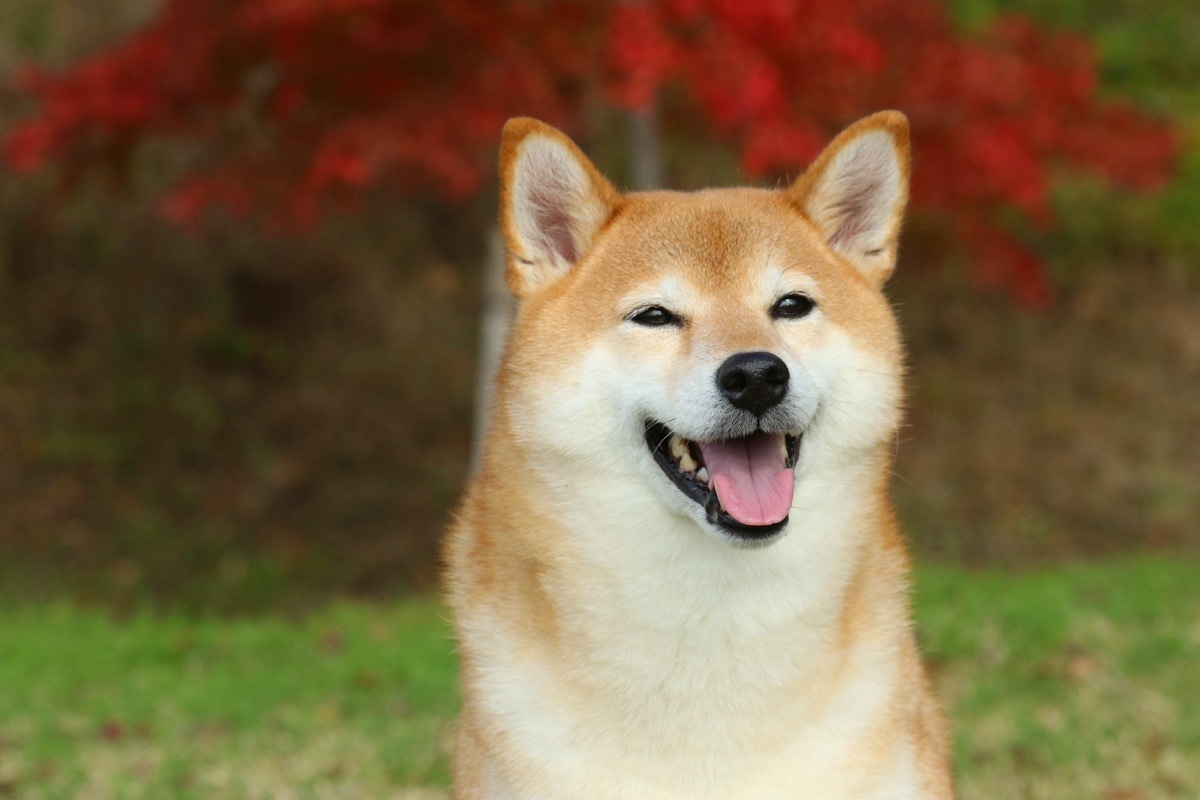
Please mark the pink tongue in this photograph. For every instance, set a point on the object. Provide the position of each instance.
(750, 478)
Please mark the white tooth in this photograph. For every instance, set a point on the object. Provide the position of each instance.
(702, 475)
(679, 447)
(687, 463)
(783, 451)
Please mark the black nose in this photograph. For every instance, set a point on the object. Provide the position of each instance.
(755, 382)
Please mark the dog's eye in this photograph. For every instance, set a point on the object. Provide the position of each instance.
(792, 306)
(653, 317)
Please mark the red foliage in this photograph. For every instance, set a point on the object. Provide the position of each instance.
(304, 103)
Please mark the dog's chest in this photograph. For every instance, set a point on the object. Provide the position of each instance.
(712, 716)
(686, 683)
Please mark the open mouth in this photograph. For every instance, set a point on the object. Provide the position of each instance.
(744, 485)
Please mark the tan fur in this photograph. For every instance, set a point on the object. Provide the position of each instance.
(612, 648)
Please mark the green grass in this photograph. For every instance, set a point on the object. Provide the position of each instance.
(351, 702)
(1076, 682)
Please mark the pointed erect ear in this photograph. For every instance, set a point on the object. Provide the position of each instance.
(552, 203)
(856, 190)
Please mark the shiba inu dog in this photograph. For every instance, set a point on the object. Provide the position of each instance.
(677, 573)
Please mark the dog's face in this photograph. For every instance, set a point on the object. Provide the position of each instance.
(714, 346)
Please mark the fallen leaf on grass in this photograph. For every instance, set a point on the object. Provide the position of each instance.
(1123, 794)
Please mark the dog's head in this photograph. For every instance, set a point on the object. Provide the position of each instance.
(718, 345)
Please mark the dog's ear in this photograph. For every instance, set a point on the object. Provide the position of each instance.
(552, 203)
(856, 190)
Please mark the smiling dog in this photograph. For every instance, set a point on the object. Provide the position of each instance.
(677, 573)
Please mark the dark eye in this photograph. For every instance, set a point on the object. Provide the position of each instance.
(793, 306)
(653, 317)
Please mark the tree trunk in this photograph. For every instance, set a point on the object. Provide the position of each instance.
(645, 151)
(495, 317)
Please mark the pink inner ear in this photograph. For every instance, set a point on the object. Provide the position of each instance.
(851, 227)
(550, 192)
(857, 208)
(552, 220)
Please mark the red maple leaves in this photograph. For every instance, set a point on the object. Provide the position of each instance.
(299, 105)
(992, 115)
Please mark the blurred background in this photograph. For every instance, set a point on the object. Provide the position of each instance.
(242, 249)
(244, 259)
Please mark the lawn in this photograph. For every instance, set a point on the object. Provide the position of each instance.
(1077, 682)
